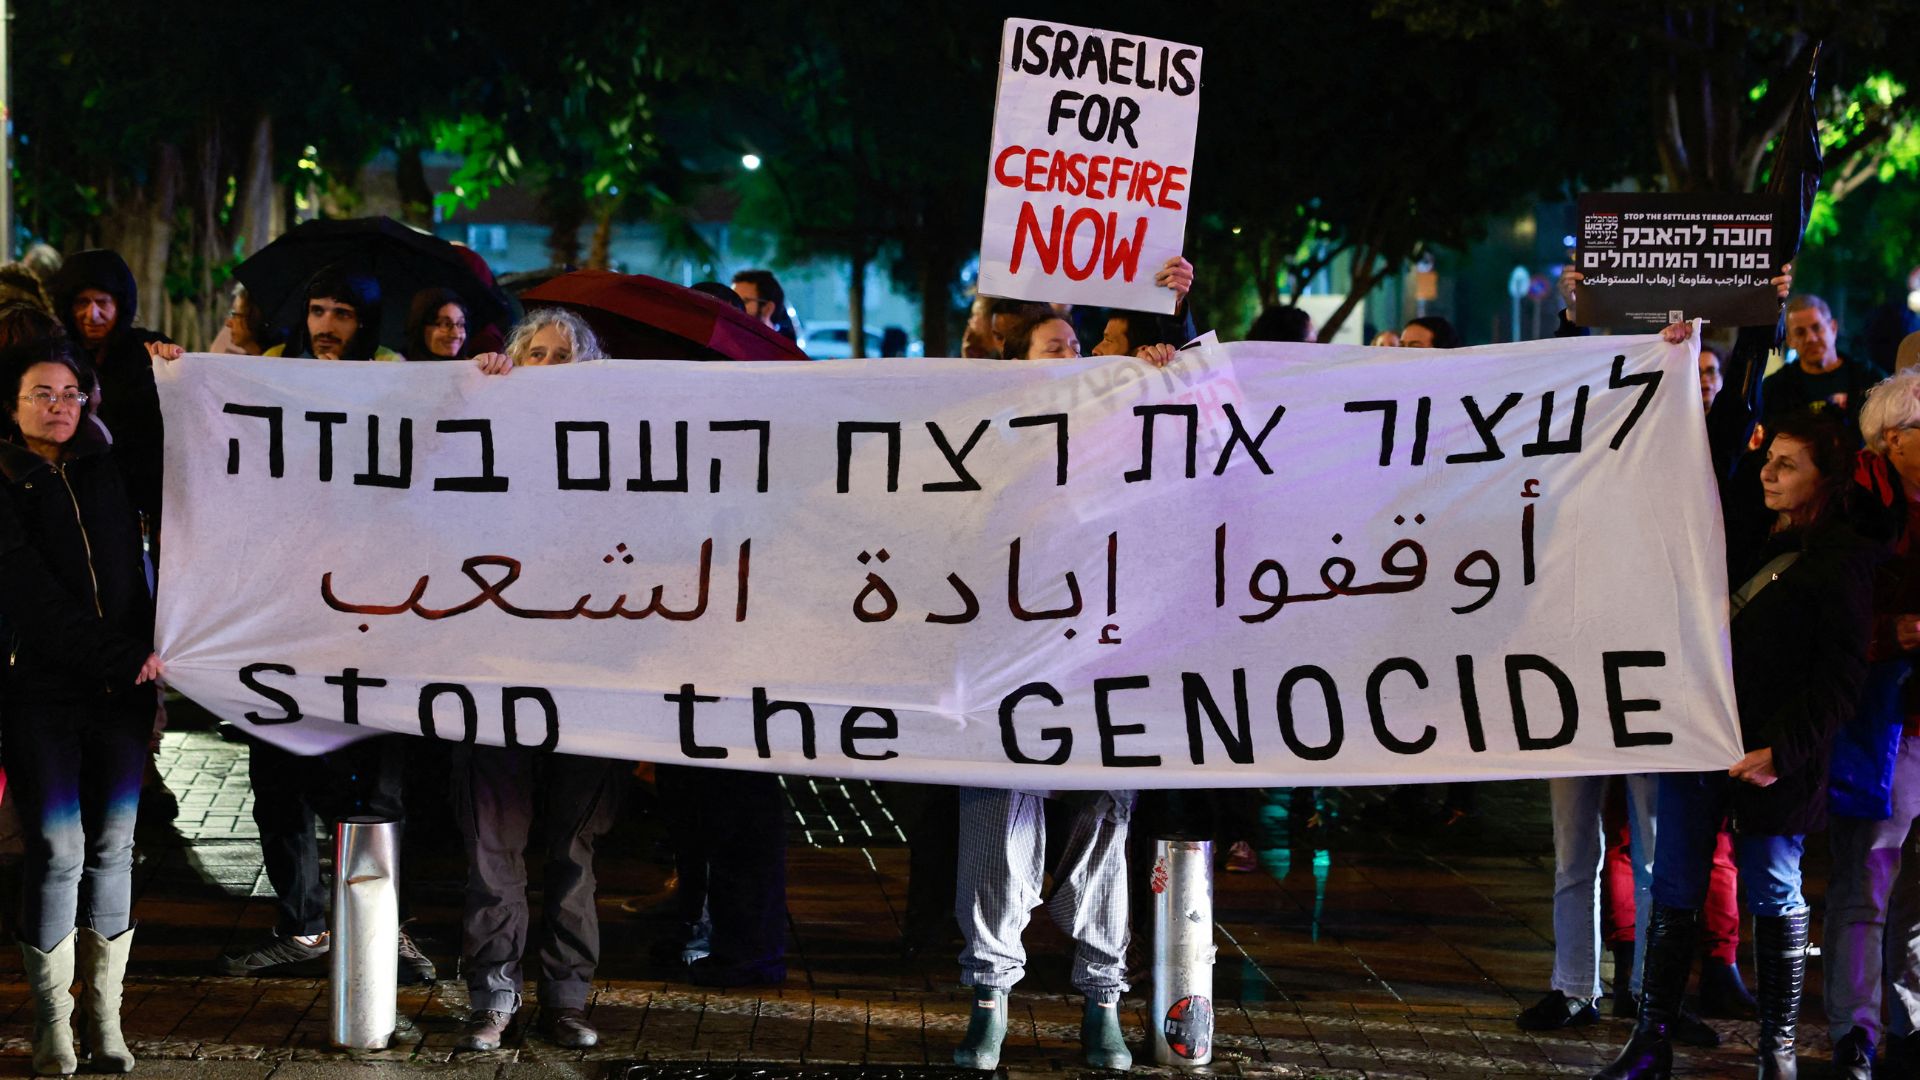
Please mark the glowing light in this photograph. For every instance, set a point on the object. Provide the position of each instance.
(750, 162)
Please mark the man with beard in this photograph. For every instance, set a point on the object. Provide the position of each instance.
(342, 319)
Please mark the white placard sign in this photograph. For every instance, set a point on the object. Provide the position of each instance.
(1091, 165)
(1267, 564)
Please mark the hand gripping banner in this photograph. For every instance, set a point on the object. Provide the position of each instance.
(1265, 564)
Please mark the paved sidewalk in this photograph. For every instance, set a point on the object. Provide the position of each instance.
(1369, 948)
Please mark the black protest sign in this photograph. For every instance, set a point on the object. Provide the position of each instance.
(1652, 259)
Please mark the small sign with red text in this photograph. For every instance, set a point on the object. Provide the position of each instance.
(1091, 164)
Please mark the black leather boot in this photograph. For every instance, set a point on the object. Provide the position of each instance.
(1672, 936)
(1780, 952)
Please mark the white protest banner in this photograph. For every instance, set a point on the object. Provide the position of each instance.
(1264, 565)
(1091, 162)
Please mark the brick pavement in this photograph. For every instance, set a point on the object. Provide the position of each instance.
(1383, 950)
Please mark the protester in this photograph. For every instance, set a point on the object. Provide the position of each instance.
(1872, 934)
(1430, 332)
(549, 336)
(721, 293)
(22, 323)
(1578, 853)
(765, 300)
(78, 703)
(20, 285)
(342, 320)
(436, 326)
(1043, 337)
(1282, 323)
(95, 296)
(292, 794)
(1004, 853)
(1713, 362)
(499, 793)
(976, 342)
(247, 330)
(1819, 371)
(1799, 632)
(1004, 314)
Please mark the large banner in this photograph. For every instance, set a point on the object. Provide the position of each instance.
(1091, 162)
(1266, 564)
(1653, 259)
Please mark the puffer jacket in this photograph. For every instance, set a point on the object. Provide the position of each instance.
(74, 601)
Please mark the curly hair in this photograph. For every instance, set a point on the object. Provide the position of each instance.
(585, 345)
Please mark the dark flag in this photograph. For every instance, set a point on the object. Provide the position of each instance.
(1797, 165)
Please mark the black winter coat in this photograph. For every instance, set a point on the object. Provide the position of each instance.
(129, 403)
(1799, 663)
(74, 602)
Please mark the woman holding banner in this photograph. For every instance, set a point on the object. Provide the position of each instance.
(79, 699)
(1802, 585)
(1003, 845)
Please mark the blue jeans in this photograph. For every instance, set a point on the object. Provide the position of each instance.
(1691, 807)
(75, 772)
(1578, 851)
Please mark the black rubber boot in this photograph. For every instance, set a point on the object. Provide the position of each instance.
(1672, 936)
(1780, 952)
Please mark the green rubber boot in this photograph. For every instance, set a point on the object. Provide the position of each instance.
(986, 1028)
(1100, 1037)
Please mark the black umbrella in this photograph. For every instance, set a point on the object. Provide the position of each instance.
(403, 260)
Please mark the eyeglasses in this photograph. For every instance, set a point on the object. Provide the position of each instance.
(448, 326)
(47, 399)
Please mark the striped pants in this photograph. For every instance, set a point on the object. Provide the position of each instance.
(1003, 841)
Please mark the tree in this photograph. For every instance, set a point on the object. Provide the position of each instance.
(146, 136)
(1380, 141)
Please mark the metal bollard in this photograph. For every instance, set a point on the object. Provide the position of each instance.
(1182, 1013)
(366, 931)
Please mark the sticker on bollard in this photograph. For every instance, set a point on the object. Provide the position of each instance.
(1189, 1027)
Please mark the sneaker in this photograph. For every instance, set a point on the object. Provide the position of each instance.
(568, 1028)
(1241, 858)
(415, 969)
(1556, 1011)
(484, 1030)
(276, 952)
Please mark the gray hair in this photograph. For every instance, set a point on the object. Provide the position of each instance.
(1893, 402)
(1810, 302)
(579, 334)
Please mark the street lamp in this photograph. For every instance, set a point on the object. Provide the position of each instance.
(750, 161)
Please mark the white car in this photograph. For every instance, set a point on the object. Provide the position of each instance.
(828, 341)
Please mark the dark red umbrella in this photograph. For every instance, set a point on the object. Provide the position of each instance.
(637, 317)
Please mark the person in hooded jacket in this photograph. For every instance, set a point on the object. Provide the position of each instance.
(78, 701)
(1801, 580)
(97, 299)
